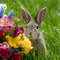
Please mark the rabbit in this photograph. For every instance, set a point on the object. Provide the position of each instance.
(33, 31)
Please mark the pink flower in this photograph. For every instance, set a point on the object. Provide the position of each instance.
(4, 50)
(6, 23)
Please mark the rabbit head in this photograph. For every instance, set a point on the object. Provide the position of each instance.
(32, 26)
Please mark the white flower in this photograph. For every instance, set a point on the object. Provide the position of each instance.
(3, 6)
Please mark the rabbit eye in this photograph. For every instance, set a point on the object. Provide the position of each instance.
(37, 27)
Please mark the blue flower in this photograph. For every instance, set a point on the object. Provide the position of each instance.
(10, 15)
(1, 12)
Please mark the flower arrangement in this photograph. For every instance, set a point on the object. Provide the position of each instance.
(13, 42)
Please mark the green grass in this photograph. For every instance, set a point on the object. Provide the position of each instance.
(50, 26)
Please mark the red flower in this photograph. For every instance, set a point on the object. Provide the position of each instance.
(16, 55)
(21, 55)
(1, 34)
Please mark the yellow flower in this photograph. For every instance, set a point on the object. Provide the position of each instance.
(12, 41)
(20, 41)
(26, 44)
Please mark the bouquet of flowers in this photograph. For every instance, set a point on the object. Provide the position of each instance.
(13, 42)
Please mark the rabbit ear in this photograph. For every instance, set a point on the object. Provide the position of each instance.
(26, 15)
(40, 15)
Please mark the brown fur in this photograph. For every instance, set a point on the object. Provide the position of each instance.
(33, 31)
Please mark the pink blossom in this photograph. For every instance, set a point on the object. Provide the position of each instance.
(6, 23)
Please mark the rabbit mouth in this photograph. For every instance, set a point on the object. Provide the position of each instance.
(30, 36)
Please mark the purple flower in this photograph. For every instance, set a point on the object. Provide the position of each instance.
(4, 50)
(18, 31)
(10, 15)
(22, 29)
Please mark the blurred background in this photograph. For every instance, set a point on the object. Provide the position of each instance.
(50, 26)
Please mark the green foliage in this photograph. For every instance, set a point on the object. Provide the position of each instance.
(50, 26)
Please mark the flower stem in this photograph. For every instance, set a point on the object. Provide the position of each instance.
(4, 59)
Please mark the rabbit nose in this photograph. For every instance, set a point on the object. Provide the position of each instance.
(30, 34)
